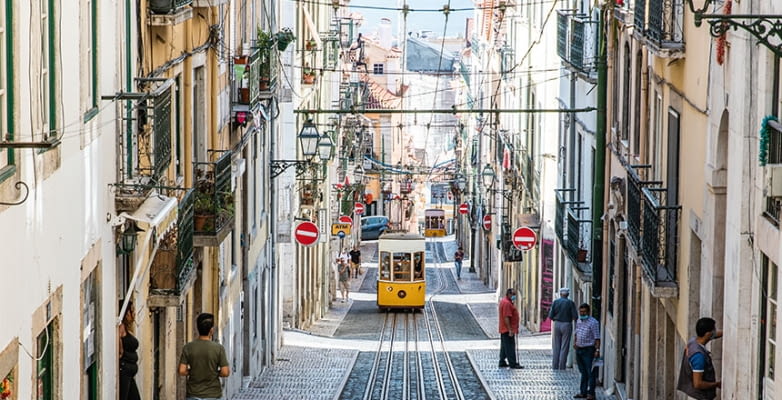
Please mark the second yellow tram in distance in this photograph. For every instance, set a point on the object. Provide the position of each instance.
(434, 222)
(401, 277)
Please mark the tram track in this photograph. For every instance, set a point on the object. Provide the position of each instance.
(411, 360)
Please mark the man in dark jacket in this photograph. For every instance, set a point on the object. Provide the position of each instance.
(697, 377)
(563, 313)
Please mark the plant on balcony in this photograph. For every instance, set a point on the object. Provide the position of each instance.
(307, 75)
(6, 387)
(266, 42)
(310, 45)
(284, 38)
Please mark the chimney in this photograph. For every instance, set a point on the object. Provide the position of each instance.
(384, 32)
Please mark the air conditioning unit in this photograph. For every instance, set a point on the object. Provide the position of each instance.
(774, 180)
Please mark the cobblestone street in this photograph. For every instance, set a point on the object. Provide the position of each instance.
(316, 364)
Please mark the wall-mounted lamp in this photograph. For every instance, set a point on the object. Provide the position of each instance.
(129, 238)
(488, 176)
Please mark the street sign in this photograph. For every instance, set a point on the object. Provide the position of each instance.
(464, 208)
(340, 229)
(306, 233)
(524, 238)
(487, 222)
(346, 220)
(358, 208)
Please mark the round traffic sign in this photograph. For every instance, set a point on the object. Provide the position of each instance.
(346, 220)
(464, 208)
(524, 238)
(358, 208)
(487, 222)
(306, 233)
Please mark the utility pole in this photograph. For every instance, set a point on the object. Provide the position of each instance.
(599, 169)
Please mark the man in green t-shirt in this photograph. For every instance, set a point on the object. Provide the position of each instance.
(203, 362)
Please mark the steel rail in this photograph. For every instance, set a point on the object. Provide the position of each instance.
(376, 362)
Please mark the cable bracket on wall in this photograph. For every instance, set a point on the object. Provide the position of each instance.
(18, 186)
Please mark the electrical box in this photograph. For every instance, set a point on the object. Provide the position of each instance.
(774, 180)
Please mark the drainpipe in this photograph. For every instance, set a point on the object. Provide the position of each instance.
(599, 171)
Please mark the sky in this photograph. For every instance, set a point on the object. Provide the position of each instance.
(416, 21)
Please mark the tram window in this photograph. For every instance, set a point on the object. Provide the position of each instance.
(401, 266)
(385, 265)
(418, 263)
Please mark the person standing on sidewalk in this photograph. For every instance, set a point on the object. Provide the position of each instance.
(344, 277)
(457, 262)
(355, 261)
(587, 347)
(697, 377)
(509, 328)
(563, 312)
(203, 362)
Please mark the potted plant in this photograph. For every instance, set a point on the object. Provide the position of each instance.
(310, 45)
(284, 38)
(307, 75)
(265, 43)
(203, 211)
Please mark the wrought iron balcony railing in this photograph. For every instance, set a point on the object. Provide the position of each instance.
(172, 268)
(639, 15)
(167, 6)
(247, 79)
(659, 242)
(773, 209)
(577, 41)
(214, 201)
(268, 72)
(660, 23)
(635, 185)
(578, 236)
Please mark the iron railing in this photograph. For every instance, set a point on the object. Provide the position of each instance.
(665, 23)
(576, 236)
(268, 72)
(660, 237)
(213, 206)
(563, 22)
(247, 70)
(184, 259)
(559, 218)
(773, 210)
(635, 185)
(577, 40)
(639, 16)
(167, 6)
(160, 114)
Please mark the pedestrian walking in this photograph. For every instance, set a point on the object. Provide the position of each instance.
(457, 262)
(203, 362)
(587, 345)
(128, 355)
(509, 328)
(355, 261)
(563, 312)
(697, 377)
(344, 277)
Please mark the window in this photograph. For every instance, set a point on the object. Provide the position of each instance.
(637, 108)
(91, 64)
(768, 322)
(626, 93)
(45, 364)
(6, 99)
(90, 342)
(377, 69)
(48, 82)
(655, 148)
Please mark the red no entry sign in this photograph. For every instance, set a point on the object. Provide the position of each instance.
(346, 220)
(306, 233)
(464, 208)
(487, 222)
(524, 238)
(358, 208)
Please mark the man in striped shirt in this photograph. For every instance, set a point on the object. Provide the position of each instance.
(587, 345)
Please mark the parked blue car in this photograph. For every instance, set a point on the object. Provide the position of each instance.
(373, 226)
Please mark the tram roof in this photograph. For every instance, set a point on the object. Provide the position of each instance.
(401, 236)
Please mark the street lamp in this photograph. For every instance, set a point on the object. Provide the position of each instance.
(325, 147)
(309, 138)
(461, 183)
(487, 176)
(129, 238)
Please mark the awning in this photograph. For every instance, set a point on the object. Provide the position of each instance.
(156, 215)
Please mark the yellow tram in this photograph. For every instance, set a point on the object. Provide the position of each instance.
(401, 281)
(434, 222)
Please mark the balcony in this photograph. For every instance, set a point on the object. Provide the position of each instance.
(635, 185)
(247, 80)
(773, 172)
(172, 271)
(169, 12)
(659, 242)
(578, 238)
(659, 24)
(208, 3)
(145, 156)
(577, 41)
(214, 201)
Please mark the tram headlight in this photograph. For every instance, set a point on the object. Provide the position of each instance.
(402, 294)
